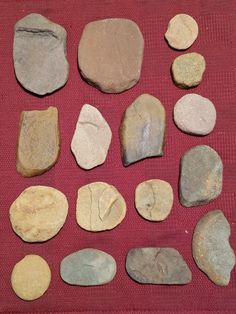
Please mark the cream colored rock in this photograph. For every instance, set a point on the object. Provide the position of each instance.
(38, 213)
(99, 207)
(91, 139)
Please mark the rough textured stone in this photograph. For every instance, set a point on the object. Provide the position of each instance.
(154, 199)
(157, 266)
(211, 249)
(30, 277)
(182, 31)
(88, 267)
(188, 69)
(38, 213)
(110, 54)
(142, 129)
(201, 176)
(39, 54)
(100, 207)
(91, 139)
(38, 141)
(195, 114)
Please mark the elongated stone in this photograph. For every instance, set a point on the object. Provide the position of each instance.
(88, 267)
(142, 129)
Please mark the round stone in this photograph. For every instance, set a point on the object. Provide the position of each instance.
(30, 277)
(154, 199)
(38, 213)
(195, 114)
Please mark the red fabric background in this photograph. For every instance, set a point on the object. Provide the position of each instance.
(217, 42)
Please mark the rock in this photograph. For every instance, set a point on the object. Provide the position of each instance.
(211, 249)
(188, 69)
(100, 207)
(195, 114)
(91, 139)
(38, 141)
(182, 31)
(110, 54)
(142, 129)
(39, 54)
(88, 267)
(154, 199)
(38, 213)
(162, 266)
(200, 176)
(30, 277)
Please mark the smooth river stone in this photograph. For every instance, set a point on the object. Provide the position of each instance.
(163, 266)
(154, 199)
(92, 138)
(200, 176)
(99, 207)
(110, 54)
(38, 213)
(88, 267)
(38, 141)
(195, 114)
(211, 248)
(39, 54)
(142, 129)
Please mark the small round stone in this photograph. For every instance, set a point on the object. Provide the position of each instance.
(195, 114)
(154, 199)
(182, 31)
(30, 277)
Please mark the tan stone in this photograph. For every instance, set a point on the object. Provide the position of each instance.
(38, 141)
(91, 139)
(38, 213)
(100, 207)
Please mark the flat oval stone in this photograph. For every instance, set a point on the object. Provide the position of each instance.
(195, 114)
(211, 248)
(99, 207)
(38, 141)
(154, 199)
(200, 176)
(38, 213)
(162, 266)
(142, 129)
(92, 138)
(110, 54)
(187, 70)
(88, 267)
(39, 54)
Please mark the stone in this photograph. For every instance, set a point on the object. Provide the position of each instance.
(142, 129)
(38, 213)
(110, 54)
(200, 176)
(99, 207)
(211, 248)
(188, 69)
(91, 139)
(162, 266)
(39, 54)
(38, 141)
(31, 277)
(154, 199)
(182, 31)
(195, 114)
(88, 267)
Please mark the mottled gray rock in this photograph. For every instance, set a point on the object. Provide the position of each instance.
(88, 267)
(200, 176)
(157, 266)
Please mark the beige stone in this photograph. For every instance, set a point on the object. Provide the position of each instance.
(38, 213)
(99, 207)
(91, 139)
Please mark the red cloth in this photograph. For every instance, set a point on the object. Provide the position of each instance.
(217, 43)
